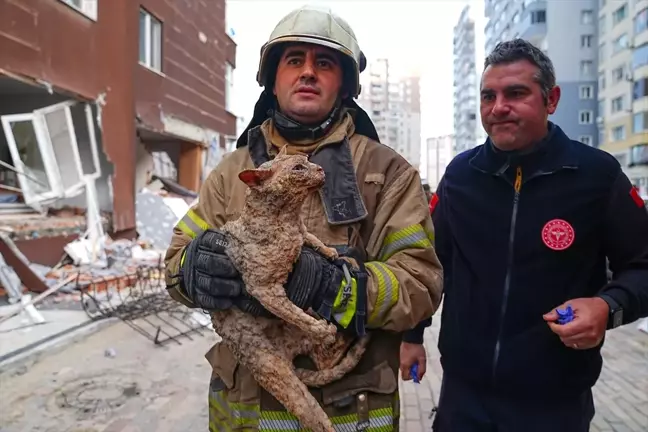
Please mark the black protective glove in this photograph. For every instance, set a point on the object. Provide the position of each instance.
(316, 282)
(208, 277)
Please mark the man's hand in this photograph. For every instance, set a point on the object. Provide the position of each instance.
(588, 327)
(412, 354)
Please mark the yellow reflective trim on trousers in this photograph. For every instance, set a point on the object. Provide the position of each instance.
(388, 292)
(380, 420)
(412, 237)
(345, 303)
(241, 417)
(192, 224)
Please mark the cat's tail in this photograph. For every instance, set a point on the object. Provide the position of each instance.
(319, 378)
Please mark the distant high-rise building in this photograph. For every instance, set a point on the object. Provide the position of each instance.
(623, 87)
(437, 155)
(394, 106)
(468, 60)
(567, 32)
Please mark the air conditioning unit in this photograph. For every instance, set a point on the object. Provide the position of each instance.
(599, 120)
(628, 76)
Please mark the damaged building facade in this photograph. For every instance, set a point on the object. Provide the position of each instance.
(97, 98)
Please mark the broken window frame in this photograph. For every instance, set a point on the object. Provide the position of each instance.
(41, 114)
(51, 172)
(46, 148)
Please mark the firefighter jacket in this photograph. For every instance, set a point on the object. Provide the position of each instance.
(372, 200)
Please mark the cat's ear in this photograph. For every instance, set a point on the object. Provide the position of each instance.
(254, 177)
(283, 151)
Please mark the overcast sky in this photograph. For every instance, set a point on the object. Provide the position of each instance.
(416, 35)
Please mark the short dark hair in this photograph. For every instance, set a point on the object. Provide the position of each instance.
(520, 49)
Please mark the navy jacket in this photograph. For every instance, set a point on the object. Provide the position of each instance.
(518, 235)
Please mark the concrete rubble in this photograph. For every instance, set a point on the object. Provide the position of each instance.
(95, 278)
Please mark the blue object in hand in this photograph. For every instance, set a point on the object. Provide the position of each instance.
(566, 315)
(414, 373)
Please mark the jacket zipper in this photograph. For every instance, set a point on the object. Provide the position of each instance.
(509, 268)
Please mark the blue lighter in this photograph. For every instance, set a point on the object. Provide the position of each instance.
(414, 373)
(566, 315)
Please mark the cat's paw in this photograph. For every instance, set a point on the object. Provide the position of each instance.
(325, 333)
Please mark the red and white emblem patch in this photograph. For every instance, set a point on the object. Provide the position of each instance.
(558, 234)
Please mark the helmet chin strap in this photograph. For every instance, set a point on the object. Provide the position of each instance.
(294, 130)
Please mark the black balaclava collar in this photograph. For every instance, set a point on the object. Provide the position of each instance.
(265, 108)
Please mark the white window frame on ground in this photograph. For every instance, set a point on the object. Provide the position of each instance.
(75, 179)
(25, 180)
(586, 139)
(86, 7)
(581, 114)
(151, 58)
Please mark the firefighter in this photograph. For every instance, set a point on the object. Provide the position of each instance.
(372, 209)
(525, 223)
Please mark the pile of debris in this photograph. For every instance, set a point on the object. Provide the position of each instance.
(105, 277)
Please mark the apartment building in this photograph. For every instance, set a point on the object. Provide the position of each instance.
(394, 105)
(94, 89)
(155, 72)
(623, 86)
(567, 32)
(438, 152)
(467, 68)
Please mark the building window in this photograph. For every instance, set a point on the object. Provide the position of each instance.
(618, 74)
(620, 14)
(602, 52)
(86, 7)
(516, 18)
(586, 41)
(640, 88)
(620, 43)
(601, 108)
(538, 17)
(641, 21)
(150, 41)
(586, 92)
(617, 104)
(585, 139)
(618, 133)
(586, 67)
(587, 16)
(602, 22)
(229, 86)
(601, 81)
(640, 56)
(585, 117)
(638, 155)
(640, 122)
(601, 133)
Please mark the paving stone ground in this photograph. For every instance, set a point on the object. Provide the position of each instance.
(141, 388)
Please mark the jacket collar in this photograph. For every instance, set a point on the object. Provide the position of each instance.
(554, 152)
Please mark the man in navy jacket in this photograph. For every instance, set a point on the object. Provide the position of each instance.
(524, 224)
